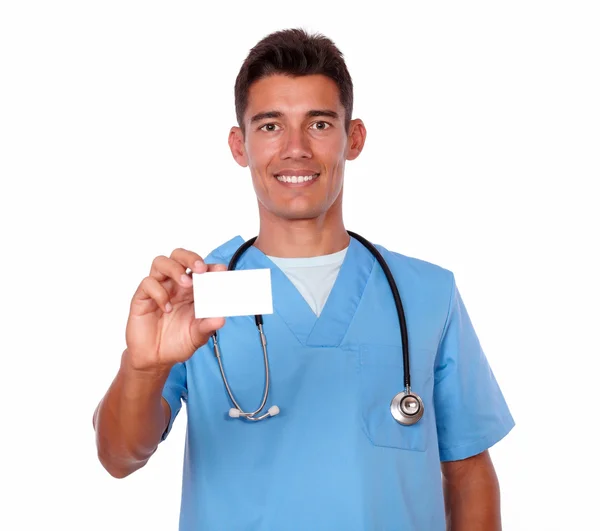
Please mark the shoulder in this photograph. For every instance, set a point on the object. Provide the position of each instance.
(223, 253)
(429, 276)
(416, 266)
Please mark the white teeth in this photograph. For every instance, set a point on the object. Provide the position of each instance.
(296, 178)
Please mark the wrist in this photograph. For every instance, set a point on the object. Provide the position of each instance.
(143, 372)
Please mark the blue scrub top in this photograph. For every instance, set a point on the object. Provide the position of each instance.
(334, 458)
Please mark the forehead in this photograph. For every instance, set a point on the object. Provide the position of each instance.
(292, 95)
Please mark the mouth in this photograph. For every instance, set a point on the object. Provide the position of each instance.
(296, 178)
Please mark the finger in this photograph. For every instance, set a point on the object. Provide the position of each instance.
(163, 268)
(216, 267)
(202, 329)
(151, 289)
(190, 260)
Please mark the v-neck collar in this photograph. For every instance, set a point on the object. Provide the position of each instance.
(329, 329)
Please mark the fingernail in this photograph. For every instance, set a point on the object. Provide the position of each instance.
(186, 280)
(198, 264)
(168, 307)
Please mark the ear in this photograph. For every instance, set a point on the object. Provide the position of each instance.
(236, 144)
(357, 136)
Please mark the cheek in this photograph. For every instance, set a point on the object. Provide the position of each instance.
(261, 151)
(332, 152)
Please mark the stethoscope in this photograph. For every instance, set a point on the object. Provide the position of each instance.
(406, 407)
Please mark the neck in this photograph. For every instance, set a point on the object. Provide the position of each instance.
(301, 238)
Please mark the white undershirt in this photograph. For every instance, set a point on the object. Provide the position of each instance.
(313, 277)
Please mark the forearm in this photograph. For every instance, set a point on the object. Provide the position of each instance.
(473, 499)
(130, 419)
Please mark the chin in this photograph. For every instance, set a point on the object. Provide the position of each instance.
(298, 213)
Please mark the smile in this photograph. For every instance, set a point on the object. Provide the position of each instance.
(297, 179)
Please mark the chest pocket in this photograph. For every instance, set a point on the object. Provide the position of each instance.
(381, 377)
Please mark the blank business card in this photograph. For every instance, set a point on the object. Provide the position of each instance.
(232, 293)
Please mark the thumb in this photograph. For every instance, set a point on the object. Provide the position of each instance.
(202, 329)
(217, 267)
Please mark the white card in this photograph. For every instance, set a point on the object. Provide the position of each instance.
(231, 293)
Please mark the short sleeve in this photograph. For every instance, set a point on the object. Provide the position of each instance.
(471, 413)
(174, 391)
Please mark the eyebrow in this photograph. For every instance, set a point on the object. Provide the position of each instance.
(310, 114)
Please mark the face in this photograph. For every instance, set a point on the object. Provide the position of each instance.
(295, 145)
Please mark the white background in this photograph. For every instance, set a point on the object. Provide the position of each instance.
(482, 156)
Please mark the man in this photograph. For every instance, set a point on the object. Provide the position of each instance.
(334, 458)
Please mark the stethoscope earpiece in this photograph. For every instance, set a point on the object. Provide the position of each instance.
(236, 413)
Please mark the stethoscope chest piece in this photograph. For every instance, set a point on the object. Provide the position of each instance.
(407, 408)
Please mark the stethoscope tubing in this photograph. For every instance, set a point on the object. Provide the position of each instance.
(396, 406)
(397, 302)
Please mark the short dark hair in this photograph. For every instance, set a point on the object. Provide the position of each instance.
(293, 52)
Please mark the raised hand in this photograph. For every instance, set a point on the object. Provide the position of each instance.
(162, 329)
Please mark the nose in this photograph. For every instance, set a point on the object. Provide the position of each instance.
(296, 145)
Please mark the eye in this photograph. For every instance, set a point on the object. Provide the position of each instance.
(268, 127)
(321, 126)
